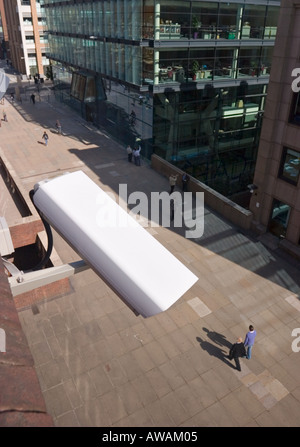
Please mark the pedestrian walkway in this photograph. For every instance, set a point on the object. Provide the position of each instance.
(99, 364)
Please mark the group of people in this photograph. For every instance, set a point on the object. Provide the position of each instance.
(240, 349)
(173, 180)
(135, 154)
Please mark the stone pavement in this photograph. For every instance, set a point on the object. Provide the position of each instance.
(100, 365)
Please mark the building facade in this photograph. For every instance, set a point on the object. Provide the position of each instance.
(275, 200)
(4, 45)
(26, 37)
(186, 78)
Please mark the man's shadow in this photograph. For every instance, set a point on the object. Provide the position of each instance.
(214, 350)
(218, 339)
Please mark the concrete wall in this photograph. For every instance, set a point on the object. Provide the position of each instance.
(225, 207)
(29, 230)
(21, 400)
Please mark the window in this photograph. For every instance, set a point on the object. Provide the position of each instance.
(78, 86)
(27, 20)
(290, 166)
(295, 109)
(43, 38)
(90, 91)
(29, 39)
(279, 218)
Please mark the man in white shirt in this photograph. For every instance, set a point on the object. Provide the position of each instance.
(137, 156)
(172, 181)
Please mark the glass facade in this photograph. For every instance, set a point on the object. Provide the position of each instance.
(214, 137)
(194, 73)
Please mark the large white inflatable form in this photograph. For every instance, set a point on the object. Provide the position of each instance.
(140, 269)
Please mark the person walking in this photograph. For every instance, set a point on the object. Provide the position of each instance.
(172, 209)
(132, 118)
(32, 98)
(237, 350)
(172, 182)
(137, 156)
(45, 137)
(249, 341)
(4, 116)
(58, 127)
(185, 180)
(129, 153)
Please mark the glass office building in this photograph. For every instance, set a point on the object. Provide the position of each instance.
(186, 78)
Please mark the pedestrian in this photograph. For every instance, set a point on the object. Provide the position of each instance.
(237, 350)
(249, 341)
(32, 98)
(129, 153)
(172, 182)
(185, 180)
(132, 119)
(137, 156)
(58, 127)
(12, 97)
(45, 137)
(4, 116)
(172, 207)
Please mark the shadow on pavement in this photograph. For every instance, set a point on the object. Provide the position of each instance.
(215, 351)
(218, 339)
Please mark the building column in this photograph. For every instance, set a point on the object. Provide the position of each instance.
(128, 57)
(234, 62)
(156, 67)
(157, 21)
(136, 65)
(136, 14)
(35, 24)
(239, 17)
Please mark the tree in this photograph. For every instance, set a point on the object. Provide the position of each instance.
(49, 72)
